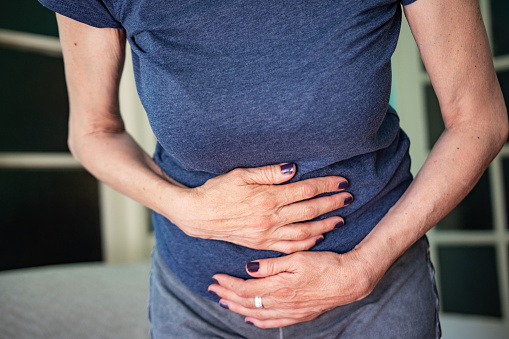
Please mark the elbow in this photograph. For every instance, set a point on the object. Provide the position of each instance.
(500, 129)
(504, 131)
(499, 121)
(72, 144)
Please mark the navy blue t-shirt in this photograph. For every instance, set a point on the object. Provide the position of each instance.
(230, 84)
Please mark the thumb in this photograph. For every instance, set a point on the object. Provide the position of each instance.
(272, 174)
(267, 267)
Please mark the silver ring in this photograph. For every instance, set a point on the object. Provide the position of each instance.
(258, 302)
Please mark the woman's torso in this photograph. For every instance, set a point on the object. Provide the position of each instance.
(230, 84)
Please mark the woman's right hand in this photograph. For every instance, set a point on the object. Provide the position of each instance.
(246, 206)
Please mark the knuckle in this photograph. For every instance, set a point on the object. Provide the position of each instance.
(266, 202)
(259, 314)
(267, 174)
(264, 222)
(336, 201)
(307, 190)
(286, 249)
(302, 233)
(301, 316)
(309, 212)
(246, 303)
(257, 243)
(298, 257)
(242, 291)
(238, 174)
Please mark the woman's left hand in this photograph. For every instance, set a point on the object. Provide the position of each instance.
(296, 288)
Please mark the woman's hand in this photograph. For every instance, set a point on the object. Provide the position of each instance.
(246, 207)
(298, 287)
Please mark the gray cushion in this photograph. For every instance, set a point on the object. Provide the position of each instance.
(92, 300)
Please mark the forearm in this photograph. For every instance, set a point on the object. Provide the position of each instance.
(453, 167)
(117, 160)
(475, 117)
(94, 60)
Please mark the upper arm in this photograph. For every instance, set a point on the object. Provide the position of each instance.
(94, 59)
(454, 48)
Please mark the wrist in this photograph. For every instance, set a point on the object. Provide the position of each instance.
(170, 200)
(355, 276)
(376, 256)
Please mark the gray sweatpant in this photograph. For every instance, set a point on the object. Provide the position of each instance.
(403, 305)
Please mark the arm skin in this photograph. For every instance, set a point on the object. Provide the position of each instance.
(454, 47)
(243, 206)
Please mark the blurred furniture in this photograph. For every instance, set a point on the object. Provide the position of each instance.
(86, 300)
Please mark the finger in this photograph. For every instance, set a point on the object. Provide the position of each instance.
(289, 246)
(229, 298)
(272, 266)
(303, 236)
(271, 323)
(268, 175)
(265, 313)
(310, 229)
(310, 209)
(247, 289)
(262, 314)
(309, 188)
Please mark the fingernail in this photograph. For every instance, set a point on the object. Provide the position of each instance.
(224, 305)
(215, 281)
(287, 168)
(348, 200)
(342, 185)
(339, 224)
(249, 322)
(213, 293)
(253, 266)
(319, 240)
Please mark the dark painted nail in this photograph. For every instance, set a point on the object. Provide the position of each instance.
(213, 293)
(215, 281)
(339, 224)
(253, 266)
(287, 168)
(224, 305)
(249, 322)
(342, 185)
(348, 200)
(319, 240)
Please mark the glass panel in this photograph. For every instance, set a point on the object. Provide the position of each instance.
(435, 123)
(474, 212)
(505, 166)
(28, 16)
(500, 26)
(503, 78)
(34, 103)
(48, 217)
(468, 280)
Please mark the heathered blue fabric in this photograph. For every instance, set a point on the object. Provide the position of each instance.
(230, 84)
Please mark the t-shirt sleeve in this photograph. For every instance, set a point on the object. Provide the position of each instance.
(407, 2)
(97, 13)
